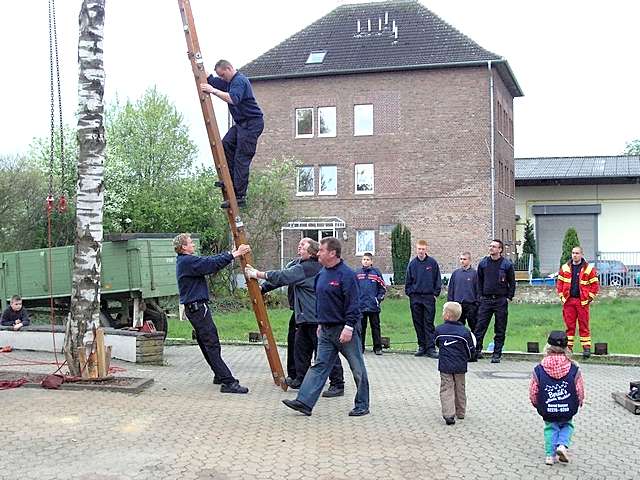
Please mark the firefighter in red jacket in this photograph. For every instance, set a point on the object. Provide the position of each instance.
(578, 286)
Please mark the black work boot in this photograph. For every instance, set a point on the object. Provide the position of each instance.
(234, 387)
(586, 352)
(333, 391)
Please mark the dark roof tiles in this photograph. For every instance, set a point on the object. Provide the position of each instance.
(548, 168)
(423, 40)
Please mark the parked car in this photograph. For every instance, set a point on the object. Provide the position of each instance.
(612, 273)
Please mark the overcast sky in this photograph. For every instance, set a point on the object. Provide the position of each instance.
(576, 61)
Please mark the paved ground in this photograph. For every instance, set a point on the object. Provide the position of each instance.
(183, 428)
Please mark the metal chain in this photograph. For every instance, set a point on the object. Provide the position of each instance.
(55, 44)
(52, 98)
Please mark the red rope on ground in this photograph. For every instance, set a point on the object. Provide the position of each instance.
(51, 306)
(7, 384)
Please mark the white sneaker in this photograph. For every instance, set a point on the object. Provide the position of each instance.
(550, 460)
(563, 453)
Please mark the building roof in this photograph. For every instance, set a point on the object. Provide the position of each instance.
(393, 35)
(543, 170)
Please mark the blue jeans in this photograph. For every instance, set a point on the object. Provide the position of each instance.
(556, 433)
(328, 348)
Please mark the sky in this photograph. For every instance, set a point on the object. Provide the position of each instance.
(576, 61)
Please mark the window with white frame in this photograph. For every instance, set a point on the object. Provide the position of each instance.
(305, 181)
(304, 122)
(365, 241)
(362, 120)
(327, 121)
(364, 177)
(328, 180)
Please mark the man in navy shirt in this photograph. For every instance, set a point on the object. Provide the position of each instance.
(422, 286)
(240, 141)
(338, 316)
(463, 289)
(194, 295)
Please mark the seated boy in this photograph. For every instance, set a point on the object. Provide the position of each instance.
(14, 315)
(457, 346)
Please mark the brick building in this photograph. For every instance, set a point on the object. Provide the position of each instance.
(389, 111)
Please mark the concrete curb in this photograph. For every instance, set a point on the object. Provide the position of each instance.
(611, 359)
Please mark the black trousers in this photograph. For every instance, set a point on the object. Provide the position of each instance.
(374, 319)
(423, 311)
(239, 148)
(291, 340)
(469, 315)
(209, 342)
(306, 343)
(498, 307)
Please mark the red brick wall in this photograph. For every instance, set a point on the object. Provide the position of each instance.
(430, 151)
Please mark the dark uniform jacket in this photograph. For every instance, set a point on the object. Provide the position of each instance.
(423, 278)
(372, 289)
(191, 271)
(337, 298)
(496, 278)
(9, 316)
(456, 346)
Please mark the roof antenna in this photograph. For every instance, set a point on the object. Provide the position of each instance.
(395, 31)
(386, 18)
(369, 24)
(379, 24)
(358, 26)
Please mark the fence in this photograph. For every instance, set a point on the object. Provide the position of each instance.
(618, 269)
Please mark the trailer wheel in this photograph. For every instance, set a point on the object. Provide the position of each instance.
(154, 313)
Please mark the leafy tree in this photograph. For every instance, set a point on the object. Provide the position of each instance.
(23, 190)
(529, 247)
(268, 199)
(633, 148)
(570, 241)
(400, 252)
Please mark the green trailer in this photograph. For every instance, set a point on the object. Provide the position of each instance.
(137, 270)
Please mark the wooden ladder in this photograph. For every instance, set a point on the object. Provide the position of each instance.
(233, 213)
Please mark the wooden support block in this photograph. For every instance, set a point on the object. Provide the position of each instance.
(82, 357)
(626, 402)
(92, 366)
(100, 353)
(107, 358)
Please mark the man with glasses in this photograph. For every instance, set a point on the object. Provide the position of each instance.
(463, 288)
(496, 288)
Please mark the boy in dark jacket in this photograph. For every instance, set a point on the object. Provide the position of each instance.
(457, 346)
(372, 291)
(15, 315)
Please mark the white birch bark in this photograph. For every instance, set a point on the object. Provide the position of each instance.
(85, 295)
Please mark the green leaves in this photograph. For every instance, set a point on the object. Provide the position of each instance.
(400, 252)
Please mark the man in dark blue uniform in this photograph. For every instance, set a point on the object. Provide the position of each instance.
(194, 295)
(240, 141)
(338, 315)
(463, 289)
(496, 287)
(422, 286)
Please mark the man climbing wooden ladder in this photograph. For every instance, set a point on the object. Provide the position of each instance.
(233, 213)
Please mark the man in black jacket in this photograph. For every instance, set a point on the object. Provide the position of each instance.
(496, 287)
(422, 286)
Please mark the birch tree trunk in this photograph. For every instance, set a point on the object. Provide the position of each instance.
(85, 295)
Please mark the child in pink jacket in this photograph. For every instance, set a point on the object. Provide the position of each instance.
(557, 391)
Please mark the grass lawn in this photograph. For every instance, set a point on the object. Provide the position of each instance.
(615, 322)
